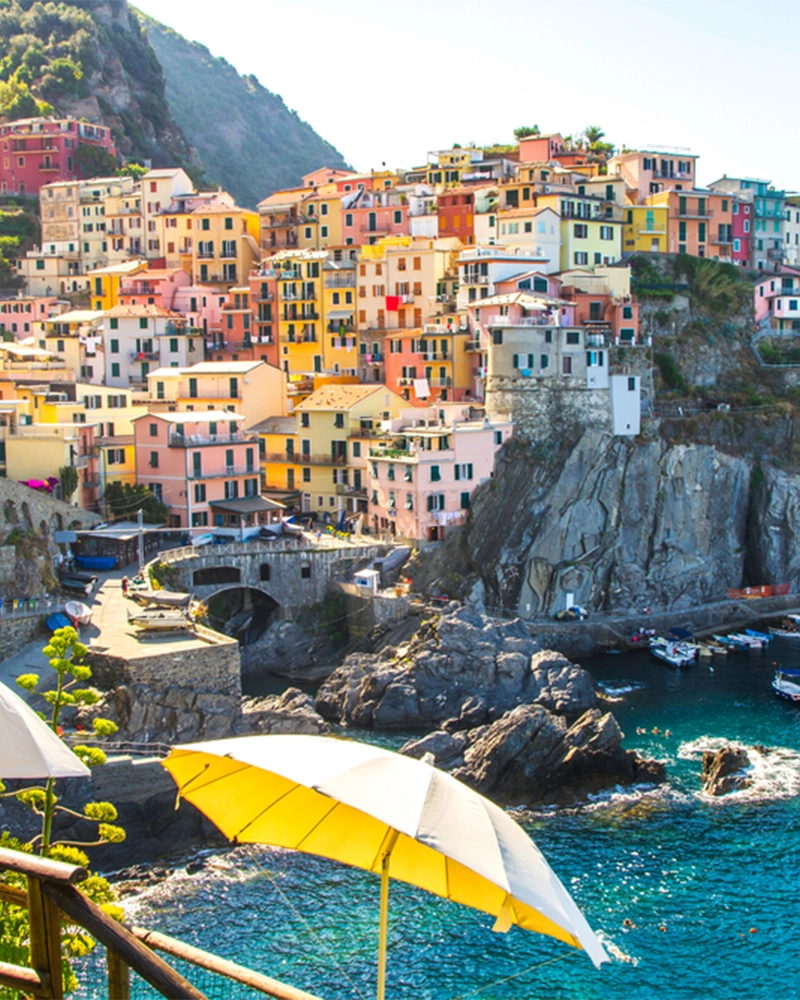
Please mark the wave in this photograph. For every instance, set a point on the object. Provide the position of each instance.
(774, 772)
(615, 690)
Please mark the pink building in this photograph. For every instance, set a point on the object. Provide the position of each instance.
(369, 216)
(777, 300)
(19, 315)
(421, 479)
(742, 223)
(204, 468)
(651, 171)
(202, 307)
(153, 287)
(39, 151)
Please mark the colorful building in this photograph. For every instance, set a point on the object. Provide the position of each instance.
(425, 468)
(38, 151)
(226, 245)
(645, 229)
(767, 245)
(698, 222)
(190, 460)
(299, 321)
(138, 338)
(648, 172)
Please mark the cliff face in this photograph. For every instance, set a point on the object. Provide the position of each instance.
(621, 524)
(246, 138)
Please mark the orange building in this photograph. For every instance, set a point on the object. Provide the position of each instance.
(699, 222)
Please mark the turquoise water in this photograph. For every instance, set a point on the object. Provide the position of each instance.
(710, 888)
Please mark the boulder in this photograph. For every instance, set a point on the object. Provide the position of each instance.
(461, 666)
(725, 771)
(531, 756)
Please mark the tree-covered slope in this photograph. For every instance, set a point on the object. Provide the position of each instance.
(246, 138)
(89, 59)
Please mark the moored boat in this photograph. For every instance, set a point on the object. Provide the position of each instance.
(786, 684)
(160, 621)
(79, 612)
(765, 637)
(674, 653)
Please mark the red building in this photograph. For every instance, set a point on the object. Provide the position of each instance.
(457, 214)
(742, 223)
(39, 151)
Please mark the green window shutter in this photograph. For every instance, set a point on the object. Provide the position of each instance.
(465, 500)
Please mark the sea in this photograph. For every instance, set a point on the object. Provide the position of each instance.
(695, 898)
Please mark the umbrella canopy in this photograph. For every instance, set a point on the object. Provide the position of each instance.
(28, 746)
(360, 804)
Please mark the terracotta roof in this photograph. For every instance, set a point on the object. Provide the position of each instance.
(339, 397)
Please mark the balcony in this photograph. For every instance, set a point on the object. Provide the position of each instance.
(283, 221)
(597, 340)
(776, 253)
(440, 383)
(542, 320)
(49, 166)
(298, 338)
(309, 295)
(205, 255)
(303, 458)
(339, 326)
(473, 345)
(405, 380)
(226, 472)
(435, 356)
(143, 356)
(199, 440)
(470, 278)
(266, 297)
(340, 281)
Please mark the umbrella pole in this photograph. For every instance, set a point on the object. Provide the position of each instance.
(384, 917)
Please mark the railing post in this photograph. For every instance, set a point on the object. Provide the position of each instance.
(119, 977)
(45, 940)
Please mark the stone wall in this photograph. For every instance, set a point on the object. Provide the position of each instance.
(215, 668)
(540, 405)
(18, 632)
(26, 569)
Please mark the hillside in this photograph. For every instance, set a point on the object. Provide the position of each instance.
(89, 59)
(246, 138)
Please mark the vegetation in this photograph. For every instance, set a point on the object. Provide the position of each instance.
(124, 501)
(69, 481)
(717, 290)
(670, 373)
(247, 139)
(526, 130)
(65, 654)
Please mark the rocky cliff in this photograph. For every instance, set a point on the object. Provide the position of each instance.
(620, 524)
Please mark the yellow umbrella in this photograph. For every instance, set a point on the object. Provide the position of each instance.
(380, 811)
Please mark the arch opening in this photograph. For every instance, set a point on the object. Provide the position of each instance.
(243, 613)
(212, 575)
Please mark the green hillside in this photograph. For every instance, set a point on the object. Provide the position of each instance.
(246, 138)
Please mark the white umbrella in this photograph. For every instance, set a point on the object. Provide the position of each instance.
(28, 746)
(383, 812)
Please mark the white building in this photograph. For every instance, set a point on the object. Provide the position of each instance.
(481, 267)
(139, 339)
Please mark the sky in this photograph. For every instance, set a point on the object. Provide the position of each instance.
(386, 83)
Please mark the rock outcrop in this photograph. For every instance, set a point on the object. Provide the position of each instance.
(181, 715)
(725, 770)
(458, 662)
(530, 756)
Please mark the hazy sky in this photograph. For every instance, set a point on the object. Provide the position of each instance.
(387, 82)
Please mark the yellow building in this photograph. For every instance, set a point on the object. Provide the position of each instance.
(591, 229)
(299, 280)
(225, 246)
(645, 228)
(319, 454)
(104, 282)
(75, 336)
(322, 227)
(339, 293)
(250, 388)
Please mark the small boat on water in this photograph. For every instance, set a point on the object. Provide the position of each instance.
(79, 612)
(747, 641)
(160, 621)
(731, 641)
(765, 637)
(786, 684)
(675, 653)
(789, 628)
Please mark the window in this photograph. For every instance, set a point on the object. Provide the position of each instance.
(356, 449)
(173, 345)
(606, 232)
(305, 572)
(436, 501)
(436, 474)
(153, 430)
(580, 231)
(143, 323)
(631, 385)
(398, 217)
(306, 475)
(464, 471)
(338, 420)
(231, 489)
(153, 459)
(113, 323)
(498, 437)
(409, 504)
(392, 502)
(465, 500)
(581, 257)
(199, 492)
(115, 369)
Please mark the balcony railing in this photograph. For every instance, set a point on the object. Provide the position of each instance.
(776, 254)
(596, 340)
(473, 345)
(143, 355)
(337, 326)
(309, 295)
(198, 440)
(470, 278)
(521, 321)
(298, 338)
(435, 356)
(304, 458)
(205, 255)
(340, 281)
(226, 471)
(440, 383)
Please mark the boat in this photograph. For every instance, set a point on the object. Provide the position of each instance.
(676, 654)
(161, 598)
(789, 628)
(160, 621)
(78, 583)
(730, 641)
(58, 620)
(786, 684)
(747, 641)
(78, 612)
(765, 637)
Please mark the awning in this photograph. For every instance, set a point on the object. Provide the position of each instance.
(246, 505)
(340, 314)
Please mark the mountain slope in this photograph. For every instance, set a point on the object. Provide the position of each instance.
(246, 138)
(89, 59)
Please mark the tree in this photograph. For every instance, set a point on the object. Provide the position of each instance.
(125, 500)
(131, 169)
(69, 481)
(593, 134)
(525, 130)
(94, 161)
(65, 653)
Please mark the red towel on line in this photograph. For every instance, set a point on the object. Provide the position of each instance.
(392, 303)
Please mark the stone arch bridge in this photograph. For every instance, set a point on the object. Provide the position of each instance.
(292, 573)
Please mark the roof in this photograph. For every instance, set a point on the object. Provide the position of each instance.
(339, 397)
(191, 416)
(246, 505)
(164, 172)
(77, 316)
(158, 273)
(221, 210)
(275, 425)
(126, 267)
(141, 311)
(523, 299)
(218, 367)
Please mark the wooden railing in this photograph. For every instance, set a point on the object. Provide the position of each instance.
(52, 899)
